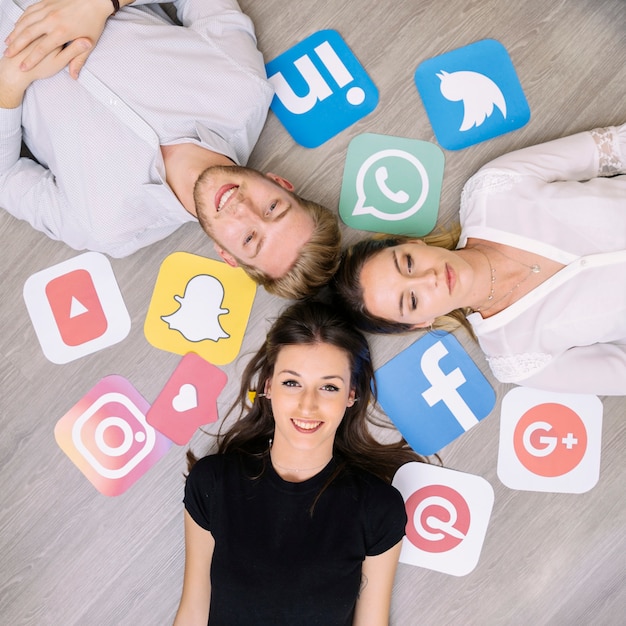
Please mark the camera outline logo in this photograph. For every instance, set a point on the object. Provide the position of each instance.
(199, 305)
(106, 435)
(434, 392)
(76, 307)
(320, 87)
(146, 436)
(472, 94)
(391, 185)
(550, 441)
(448, 514)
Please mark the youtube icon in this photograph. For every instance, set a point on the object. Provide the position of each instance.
(76, 307)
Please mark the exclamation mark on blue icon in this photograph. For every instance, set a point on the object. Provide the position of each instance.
(321, 88)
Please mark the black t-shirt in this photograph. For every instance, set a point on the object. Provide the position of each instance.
(274, 561)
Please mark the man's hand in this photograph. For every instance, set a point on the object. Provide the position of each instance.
(14, 80)
(50, 24)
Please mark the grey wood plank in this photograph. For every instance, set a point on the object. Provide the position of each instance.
(72, 556)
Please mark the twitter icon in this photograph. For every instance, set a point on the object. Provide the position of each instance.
(472, 94)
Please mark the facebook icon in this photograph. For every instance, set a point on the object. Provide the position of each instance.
(433, 392)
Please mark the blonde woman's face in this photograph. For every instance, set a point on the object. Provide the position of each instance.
(414, 283)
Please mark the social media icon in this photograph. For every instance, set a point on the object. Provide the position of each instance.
(472, 94)
(391, 185)
(320, 88)
(188, 399)
(433, 392)
(203, 293)
(440, 518)
(199, 305)
(106, 435)
(447, 517)
(550, 441)
(76, 307)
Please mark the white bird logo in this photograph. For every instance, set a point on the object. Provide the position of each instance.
(478, 93)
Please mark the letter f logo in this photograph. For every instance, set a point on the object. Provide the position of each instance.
(433, 392)
(444, 386)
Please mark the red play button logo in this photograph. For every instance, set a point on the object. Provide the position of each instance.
(76, 307)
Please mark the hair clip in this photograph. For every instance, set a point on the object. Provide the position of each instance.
(253, 395)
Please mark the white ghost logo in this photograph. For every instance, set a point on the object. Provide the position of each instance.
(197, 318)
(478, 93)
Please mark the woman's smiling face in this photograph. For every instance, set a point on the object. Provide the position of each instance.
(310, 392)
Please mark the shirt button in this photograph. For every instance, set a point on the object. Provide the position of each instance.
(583, 263)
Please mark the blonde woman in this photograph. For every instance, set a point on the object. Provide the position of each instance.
(539, 271)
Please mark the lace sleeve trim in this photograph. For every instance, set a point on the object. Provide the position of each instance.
(492, 180)
(515, 367)
(609, 157)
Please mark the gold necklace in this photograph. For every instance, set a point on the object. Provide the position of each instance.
(535, 268)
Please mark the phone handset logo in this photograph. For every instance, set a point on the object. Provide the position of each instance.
(380, 175)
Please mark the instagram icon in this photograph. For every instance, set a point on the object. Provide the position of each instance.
(107, 437)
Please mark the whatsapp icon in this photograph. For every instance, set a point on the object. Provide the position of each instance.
(391, 185)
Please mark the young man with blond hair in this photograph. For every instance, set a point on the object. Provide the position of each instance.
(138, 126)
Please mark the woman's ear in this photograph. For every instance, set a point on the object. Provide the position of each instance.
(422, 325)
(267, 390)
(351, 398)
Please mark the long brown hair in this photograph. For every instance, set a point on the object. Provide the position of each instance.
(309, 323)
(347, 284)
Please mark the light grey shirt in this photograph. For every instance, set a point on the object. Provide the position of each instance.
(568, 334)
(99, 182)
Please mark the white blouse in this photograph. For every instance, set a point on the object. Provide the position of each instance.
(564, 200)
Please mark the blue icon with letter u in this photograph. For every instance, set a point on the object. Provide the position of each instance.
(433, 392)
(321, 88)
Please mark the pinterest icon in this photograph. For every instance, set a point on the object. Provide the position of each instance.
(447, 517)
(549, 441)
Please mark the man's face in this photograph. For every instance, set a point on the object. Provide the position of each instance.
(254, 219)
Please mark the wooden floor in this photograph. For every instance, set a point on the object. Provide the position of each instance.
(70, 556)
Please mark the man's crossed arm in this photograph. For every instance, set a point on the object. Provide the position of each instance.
(74, 26)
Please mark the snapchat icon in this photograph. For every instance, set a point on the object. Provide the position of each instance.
(199, 305)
